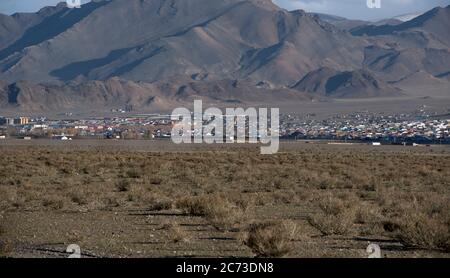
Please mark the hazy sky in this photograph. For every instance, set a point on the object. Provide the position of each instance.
(355, 9)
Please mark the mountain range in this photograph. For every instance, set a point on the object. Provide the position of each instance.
(155, 54)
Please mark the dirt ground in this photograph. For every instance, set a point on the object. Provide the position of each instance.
(157, 199)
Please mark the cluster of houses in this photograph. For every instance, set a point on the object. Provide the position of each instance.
(392, 129)
(145, 127)
(369, 127)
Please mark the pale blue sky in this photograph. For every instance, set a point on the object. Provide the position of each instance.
(355, 9)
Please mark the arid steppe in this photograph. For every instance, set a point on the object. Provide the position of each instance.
(156, 199)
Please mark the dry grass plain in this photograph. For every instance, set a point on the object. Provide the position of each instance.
(155, 199)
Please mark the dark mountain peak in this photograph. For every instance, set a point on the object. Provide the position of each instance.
(356, 83)
(43, 12)
(329, 17)
(298, 12)
(54, 23)
(436, 16)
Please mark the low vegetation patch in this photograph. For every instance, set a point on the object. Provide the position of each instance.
(123, 185)
(270, 239)
(419, 230)
(133, 173)
(161, 204)
(78, 197)
(5, 246)
(336, 217)
(220, 212)
(175, 233)
(53, 202)
(346, 192)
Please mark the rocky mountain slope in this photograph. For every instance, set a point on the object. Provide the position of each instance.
(360, 83)
(205, 44)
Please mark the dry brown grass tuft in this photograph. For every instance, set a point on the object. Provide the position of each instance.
(419, 230)
(5, 246)
(221, 213)
(270, 239)
(195, 206)
(133, 173)
(111, 201)
(335, 218)
(418, 220)
(123, 185)
(53, 202)
(175, 233)
(78, 197)
(161, 204)
(367, 214)
(2, 228)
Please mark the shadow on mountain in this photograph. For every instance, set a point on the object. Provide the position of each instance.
(254, 59)
(335, 82)
(73, 70)
(373, 30)
(443, 75)
(13, 93)
(206, 22)
(348, 84)
(51, 27)
(128, 67)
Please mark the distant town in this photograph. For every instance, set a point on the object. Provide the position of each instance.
(418, 127)
(414, 128)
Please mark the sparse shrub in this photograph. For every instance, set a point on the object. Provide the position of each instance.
(333, 206)
(219, 211)
(195, 206)
(270, 239)
(111, 201)
(370, 219)
(367, 214)
(74, 236)
(331, 224)
(371, 187)
(133, 174)
(5, 247)
(155, 181)
(421, 231)
(175, 233)
(390, 226)
(335, 217)
(284, 197)
(78, 198)
(162, 204)
(244, 203)
(17, 204)
(53, 203)
(123, 185)
(131, 197)
(2, 228)
(67, 170)
(139, 194)
(224, 214)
